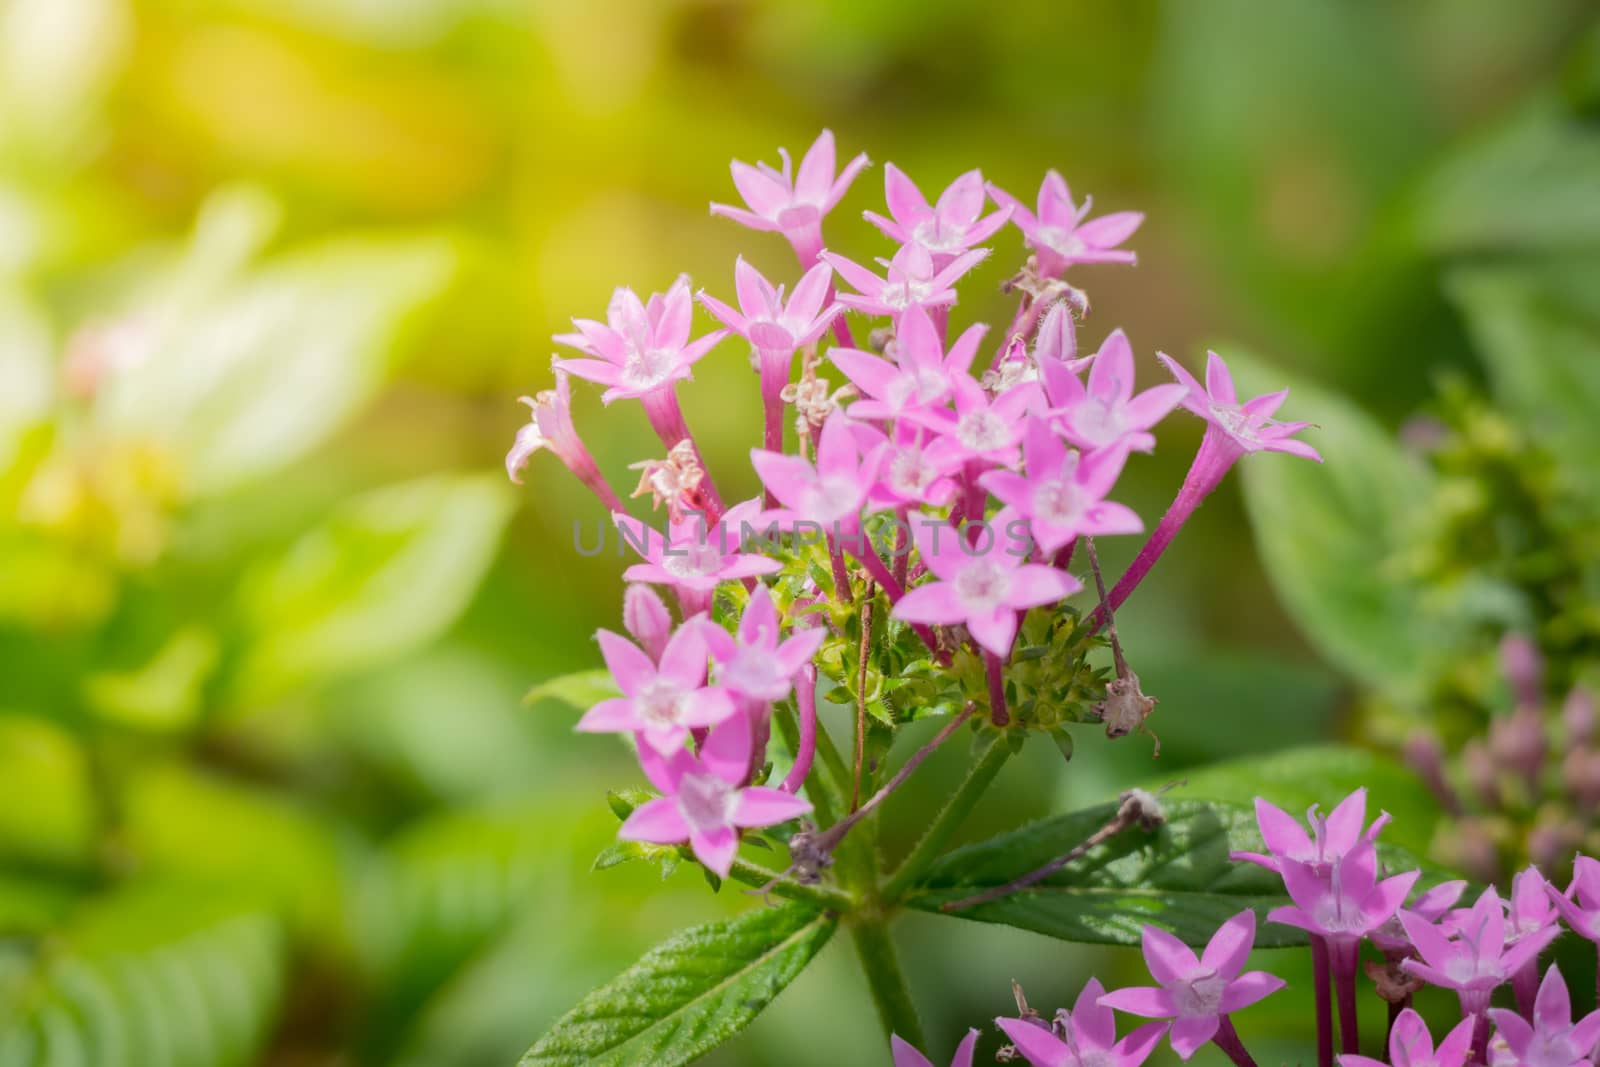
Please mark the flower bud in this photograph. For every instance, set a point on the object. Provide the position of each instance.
(1523, 667)
(1578, 716)
(647, 619)
(1580, 773)
(1551, 845)
(1517, 743)
(1481, 773)
(1425, 755)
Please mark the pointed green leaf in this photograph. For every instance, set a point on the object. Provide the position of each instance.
(581, 689)
(689, 994)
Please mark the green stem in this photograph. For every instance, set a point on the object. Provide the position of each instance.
(759, 877)
(890, 995)
(825, 800)
(979, 777)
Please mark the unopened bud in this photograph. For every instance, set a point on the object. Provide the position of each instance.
(1481, 773)
(1524, 669)
(1470, 848)
(1580, 773)
(1578, 716)
(1425, 755)
(1551, 845)
(647, 619)
(1517, 742)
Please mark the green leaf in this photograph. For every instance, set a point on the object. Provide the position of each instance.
(689, 994)
(1332, 537)
(1539, 329)
(1178, 877)
(47, 803)
(581, 689)
(383, 575)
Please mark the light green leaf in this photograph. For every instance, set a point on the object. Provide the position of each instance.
(689, 994)
(581, 689)
(47, 805)
(1332, 536)
(385, 574)
(1178, 877)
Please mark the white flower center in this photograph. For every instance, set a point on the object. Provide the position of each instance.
(983, 431)
(1200, 995)
(1098, 422)
(660, 702)
(647, 368)
(982, 586)
(918, 386)
(835, 496)
(696, 560)
(910, 474)
(931, 234)
(1059, 503)
(706, 801)
(1239, 423)
(1061, 242)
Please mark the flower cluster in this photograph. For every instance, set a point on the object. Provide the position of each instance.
(958, 489)
(1332, 876)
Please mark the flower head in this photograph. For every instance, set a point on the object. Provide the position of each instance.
(1247, 426)
(982, 427)
(911, 279)
(1088, 1036)
(765, 319)
(1431, 904)
(1529, 912)
(983, 586)
(641, 347)
(1476, 960)
(951, 226)
(793, 203)
(755, 662)
(905, 1055)
(659, 702)
(915, 467)
(831, 491)
(1331, 838)
(695, 556)
(1196, 992)
(1346, 904)
(706, 802)
(550, 427)
(1411, 1045)
(1063, 492)
(1058, 234)
(1551, 1038)
(920, 375)
(1107, 413)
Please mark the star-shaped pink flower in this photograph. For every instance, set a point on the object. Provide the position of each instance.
(915, 467)
(1580, 905)
(660, 703)
(828, 493)
(1107, 413)
(1431, 905)
(946, 229)
(1247, 426)
(756, 663)
(550, 426)
(1349, 902)
(919, 376)
(1552, 1039)
(693, 557)
(641, 347)
(1332, 836)
(1475, 961)
(1058, 234)
(793, 203)
(765, 319)
(911, 280)
(984, 429)
(1063, 492)
(1196, 993)
(1090, 1030)
(906, 1054)
(1411, 1045)
(707, 802)
(983, 586)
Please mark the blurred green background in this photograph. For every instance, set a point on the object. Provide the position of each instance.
(272, 273)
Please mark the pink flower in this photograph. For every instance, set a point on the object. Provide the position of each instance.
(1197, 993)
(755, 663)
(707, 802)
(1090, 1036)
(550, 426)
(1580, 905)
(1063, 492)
(946, 229)
(1331, 837)
(919, 376)
(1431, 905)
(660, 703)
(982, 428)
(641, 348)
(1240, 428)
(1411, 1045)
(1476, 960)
(1107, 412)
(793, 204)
(1347, 903)
(982, 585)
(765, 320)
(907, 1056)
(1058, 234)
(912, 280)
(694, 558)
(829, 493)
(1552, 1039)
(915, 467)
(646, 618)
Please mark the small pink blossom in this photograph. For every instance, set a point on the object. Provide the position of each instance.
(1063, 492)
(1347, 903)
(1331, 838)
(755, 662)
(1058, 234)
(1475, 961)
(946, 229)
(906, 1055)
(983, 429)
(793, 204)
(706, 802)
(641, 347)
(915, 467)
(765, 319)
(1552, 1039)
(830, 492)
(1411, 1045)
(911, 280)
(1431, 905)
(550, 427)
(1580, 905)
(920, 375)
(694, 557)
(1196, 993)
(660, 703)
(982, 586)
(1089, 1036)
(1247, 426)
(1107, 412)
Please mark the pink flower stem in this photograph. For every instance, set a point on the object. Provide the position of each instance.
(1475, 1004)
(994, 668)
(1063, 558)
(805, 698)
(1322, 984)
(975, 499)
(775, 368)
(902, 544)
(1346, 955)
(1227, 1039)
(666, 418)
(1211, 464)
